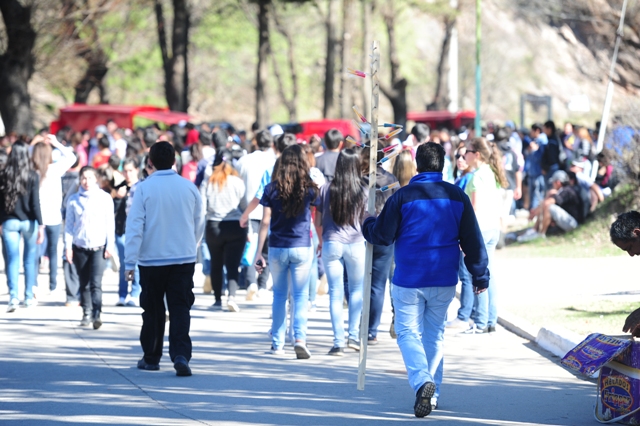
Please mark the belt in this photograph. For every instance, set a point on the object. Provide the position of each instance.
(75, 247)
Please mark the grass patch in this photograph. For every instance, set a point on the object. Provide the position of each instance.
(602, 316)
(588, 240)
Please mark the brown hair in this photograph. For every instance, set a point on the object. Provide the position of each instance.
(41, 158)
(490, 154)
(292, 181)
(404, 168)
(308, 151)
(220, 174)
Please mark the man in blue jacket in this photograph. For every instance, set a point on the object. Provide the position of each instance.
(428, 220)
(164, 226)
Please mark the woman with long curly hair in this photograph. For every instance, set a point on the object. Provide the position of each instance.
(338, 219)
(20, 217)
(483, 190)
(287, 201)
(51, 195)
(224, 199)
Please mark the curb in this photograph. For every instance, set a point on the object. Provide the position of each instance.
(558, 340)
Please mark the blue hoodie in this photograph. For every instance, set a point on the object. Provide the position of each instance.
(429, 220)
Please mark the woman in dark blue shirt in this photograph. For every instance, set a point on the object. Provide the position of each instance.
(287, 215)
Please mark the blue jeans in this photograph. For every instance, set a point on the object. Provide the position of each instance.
(333, 255)
(12, 229)
(53, 235)
(466, 292)
(485, 303)
(206, 258)
(123, 285)
(294, 262)
(380, 271)
(537, 189)
(419, 324)
(313, 274)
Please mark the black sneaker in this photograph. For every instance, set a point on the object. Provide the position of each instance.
(182, 366)
(353, 344)
(491, 329)
(336, 351)
(301, 350)
(143, 365)
(422, 407)
(85, 321)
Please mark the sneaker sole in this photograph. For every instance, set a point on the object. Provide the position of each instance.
(354, 347)
(423, 408)
(302, 352)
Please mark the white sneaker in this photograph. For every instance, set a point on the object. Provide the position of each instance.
(457, 323)
(232, 306)
(252, 291)
(263, 293)
(121, 301)
(13, 305)
(30, 303)
(276, 351)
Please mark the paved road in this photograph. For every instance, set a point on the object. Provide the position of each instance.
(53, 372)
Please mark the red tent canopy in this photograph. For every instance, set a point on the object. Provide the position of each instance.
(81, 116)
(439, 119)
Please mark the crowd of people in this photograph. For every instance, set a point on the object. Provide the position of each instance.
(272, 209)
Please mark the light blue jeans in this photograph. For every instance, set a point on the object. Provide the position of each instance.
(485, 304)
(123, 285)
(313, 274)
(294, 262)
(333, 255)
(466, 292)
(420, 315)
(12, 229)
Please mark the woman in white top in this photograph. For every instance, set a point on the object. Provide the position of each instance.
(51, 194)
(483, 190)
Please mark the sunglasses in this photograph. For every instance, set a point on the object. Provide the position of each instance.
(458, 156)
(472, 151)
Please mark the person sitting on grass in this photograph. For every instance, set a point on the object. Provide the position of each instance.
(625, 233)
(562, 207)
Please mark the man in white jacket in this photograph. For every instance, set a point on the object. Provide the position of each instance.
(164, 227)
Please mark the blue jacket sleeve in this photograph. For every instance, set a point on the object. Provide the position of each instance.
(382, 230)
(472, 244)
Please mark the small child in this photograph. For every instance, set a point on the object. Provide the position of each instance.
(89, 240)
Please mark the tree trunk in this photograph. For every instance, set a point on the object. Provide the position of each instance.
(290, 103)
(441, 99)
(263, 54)
(345, 82)
(397, 92)
(330, 64)
(175, 65)
(88, 48)
(16, 67)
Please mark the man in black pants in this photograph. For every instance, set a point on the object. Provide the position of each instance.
(164, 226)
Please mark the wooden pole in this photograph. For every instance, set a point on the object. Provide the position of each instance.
(612, 71)
(368, 262)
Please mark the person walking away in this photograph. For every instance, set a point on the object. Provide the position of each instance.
(20, 216)
(286, 213)
(318, 178)
(251, 169)
(163, 230)
(382, 254)
(338, 217)
(224, 199)
(89, 241)
(421, 295)
(326, 162)
(483, 190)
(131, 172)
(51, 195)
